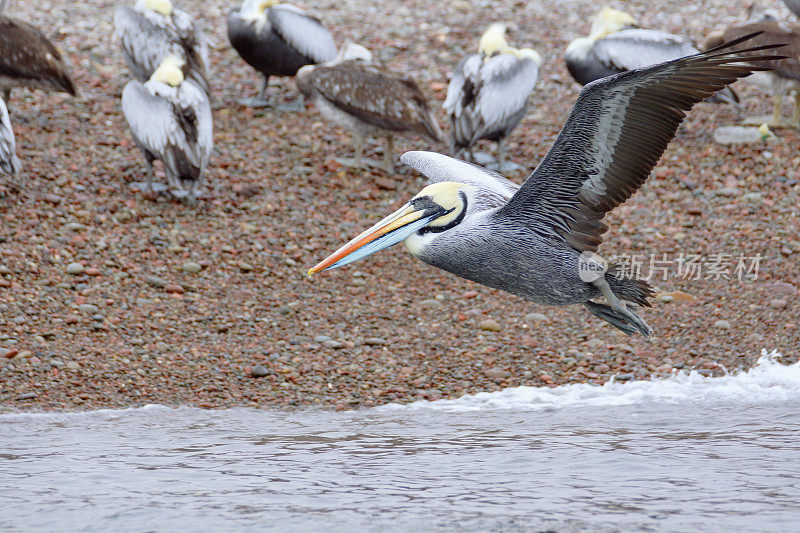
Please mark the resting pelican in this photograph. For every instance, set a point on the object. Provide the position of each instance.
(785, 76)
(277, 40)
(29, 59)
(488, 93)
(170, 119)
(537, 241)
(616, 44)
(9, 163)
(356, 93)
(151, 30)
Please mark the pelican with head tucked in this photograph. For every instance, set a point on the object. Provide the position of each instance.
(9, 163)
(784, 75)
(537, 241)
(277, 39)
(29, 59)
(488, 93)
(617, 44)
(152, 30)
(170, 119)
(358, 94)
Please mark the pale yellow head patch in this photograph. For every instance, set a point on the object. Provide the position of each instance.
(448, 195)
(164, 7)
(169, 71)
(609, 21)
(493, 39)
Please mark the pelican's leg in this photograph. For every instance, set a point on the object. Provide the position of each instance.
(777, 111)
(388, 155)
(620, 307)
(501, 155)
(261, 99)
(359, 149)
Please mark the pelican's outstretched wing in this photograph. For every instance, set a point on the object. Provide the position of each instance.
(303, 32)
(617, 132)
(9, 163)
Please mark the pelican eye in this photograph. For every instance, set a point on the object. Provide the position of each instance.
(426, 204)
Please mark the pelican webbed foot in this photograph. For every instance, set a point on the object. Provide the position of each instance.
(620, 309)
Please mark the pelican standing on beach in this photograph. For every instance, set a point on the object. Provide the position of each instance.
(488, 93)
(616, 44)
(29, 59)
(785, 74)
(9, 163)
(356, 93)
(538, 241)
(170, 119)
(152, 30)
(277, 39)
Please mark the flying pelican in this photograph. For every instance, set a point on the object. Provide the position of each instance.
(358, 94)
(170, 119)
(537, 241)
(488, 93)
(277, 40)
(29, 59)
(785, 75)
(151, 30)
(9, 163)
(616, 44)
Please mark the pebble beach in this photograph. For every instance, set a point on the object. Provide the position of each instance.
(110, 298)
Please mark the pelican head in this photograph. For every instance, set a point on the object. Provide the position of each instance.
(169, 71)
(528, 53)
(163, 7)
(493, 40)
(609, 21)
(766, 133)
(437, 208)
(351, 51)
(257, 8)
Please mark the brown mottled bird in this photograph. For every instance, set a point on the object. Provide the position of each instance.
(356, 93)
(785, 74)
(29, 59)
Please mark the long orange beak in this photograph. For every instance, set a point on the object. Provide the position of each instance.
(395, 228)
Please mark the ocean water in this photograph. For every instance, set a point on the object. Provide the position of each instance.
(687, 453)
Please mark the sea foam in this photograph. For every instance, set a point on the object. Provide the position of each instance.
(767, 381)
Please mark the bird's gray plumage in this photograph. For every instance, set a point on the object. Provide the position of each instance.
(147, 38)
(279, 40)
(9, 163)
(531, 245)
(629, 49)
(173, 125)
(368, 99)
(794, 6)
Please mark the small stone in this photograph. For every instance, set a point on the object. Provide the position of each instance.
(191, 267)
(74, 226)
(285, 310)
(470, 294)
(73, 366)
(666, 298)
(173, 288)
(594, 343)
(675, 296)
(258, 371)
(23, 354)
(26, 396)
(88, 309)
(489, 325)
(156, 282)
(321, 338)
(75, 269)
(722, 324)
(430, 304)
(11, 353)
(623, 377)
(52, 198)
(727, 191)
(497, 373)
(333, 344)
(778, 303)
(374, 341)
(246, 267)
(92, 271)
(536, 317)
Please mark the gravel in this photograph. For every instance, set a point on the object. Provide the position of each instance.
(258, 211)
